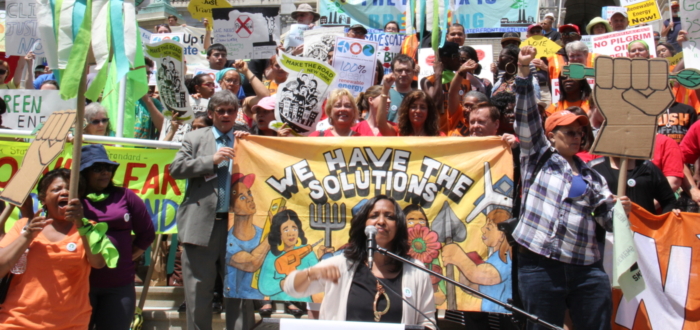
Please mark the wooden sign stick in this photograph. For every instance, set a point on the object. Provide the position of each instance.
(78, 136)
(622, 178)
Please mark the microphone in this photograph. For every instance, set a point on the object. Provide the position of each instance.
(370, 231)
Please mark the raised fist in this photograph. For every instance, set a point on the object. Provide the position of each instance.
(630, 94)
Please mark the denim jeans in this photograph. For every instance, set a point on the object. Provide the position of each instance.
(548, 287)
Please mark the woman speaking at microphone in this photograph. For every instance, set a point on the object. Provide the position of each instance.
(356, 292)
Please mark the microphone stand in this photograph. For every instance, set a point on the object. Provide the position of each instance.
(471, 291)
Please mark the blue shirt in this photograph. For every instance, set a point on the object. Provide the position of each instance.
(219, 145)
(501, 291)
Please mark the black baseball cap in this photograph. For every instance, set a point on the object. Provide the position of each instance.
(511, 36)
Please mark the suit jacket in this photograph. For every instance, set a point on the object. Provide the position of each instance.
(194, 160)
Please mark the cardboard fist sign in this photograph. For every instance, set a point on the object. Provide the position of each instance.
(630, 94)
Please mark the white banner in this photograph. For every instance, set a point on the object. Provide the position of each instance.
(27, 108)
(21, 34)
(158, 37)
(485, 55)
(318, 42)
(250, 33)
(426, 58)
(691, 49)
(193, 40)
(615, 43)
(608, 11)
(389, 45)
(355, 61)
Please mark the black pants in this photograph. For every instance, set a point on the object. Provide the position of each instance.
(112, 308)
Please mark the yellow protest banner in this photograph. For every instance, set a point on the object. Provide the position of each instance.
(200, 9)
(545, 47)
(643, 12)
(144, 171)
(453, 190)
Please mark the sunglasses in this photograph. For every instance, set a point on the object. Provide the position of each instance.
(100, 121)
(101, 167)
(222, 112)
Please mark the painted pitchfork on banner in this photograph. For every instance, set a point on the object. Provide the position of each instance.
(449, 229)
(328, 218)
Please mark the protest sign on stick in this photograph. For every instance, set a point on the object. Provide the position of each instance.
(614, 44)
(355, 61)
(299, 98)
(170, 79)
(250, 33)
(641, 11)
(201, 9)
(608, 11)
(691, 48)
(193, 41)
(26, 108)
(318, 42)
(388, 46)
(544, 46)
(21, 34)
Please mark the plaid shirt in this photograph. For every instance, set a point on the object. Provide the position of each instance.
(551, 223)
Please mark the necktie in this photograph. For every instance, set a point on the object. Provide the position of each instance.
(222, 176)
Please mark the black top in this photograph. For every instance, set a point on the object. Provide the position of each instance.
(361, 297)
(649, 184)
(676, 121)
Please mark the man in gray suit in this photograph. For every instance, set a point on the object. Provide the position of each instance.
(205, 159)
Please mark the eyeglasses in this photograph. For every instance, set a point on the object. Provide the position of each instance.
(570, 34)
(233, 81)
(222, 112)
(573, 134)
(219, 55)
(101, 167)
(3, 71)
(100, 121)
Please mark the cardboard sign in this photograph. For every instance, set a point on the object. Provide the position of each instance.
(318, 42)
(21, 32)
(27, 108)
(544, 46)
(630, 94)
(170, 78)
(355, 61)
(201, 9)
(295, 37)
(250, 33)
(614, 44)
(691, 49)
(47, 145)
(640, 12)
(299, 98)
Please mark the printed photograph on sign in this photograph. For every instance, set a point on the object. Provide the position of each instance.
(300, 208)
(299, 98)
(250, 33)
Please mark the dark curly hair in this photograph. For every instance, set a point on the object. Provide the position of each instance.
(357, 251)
(196, 81)
(431, 122)
(275, 236)
(52, 175)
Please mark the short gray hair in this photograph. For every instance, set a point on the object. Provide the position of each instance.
(92, 109)
(576, 46)
(479, 96)
(223, 97)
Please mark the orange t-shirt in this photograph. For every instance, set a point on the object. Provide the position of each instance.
(559, 106)
(53, 292)
(686, 96)
(458, 125)
(557, 63)
(445, 123)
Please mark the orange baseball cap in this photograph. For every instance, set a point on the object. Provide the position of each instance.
(563, 118)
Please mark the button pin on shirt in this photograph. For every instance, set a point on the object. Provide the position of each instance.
(631, 182)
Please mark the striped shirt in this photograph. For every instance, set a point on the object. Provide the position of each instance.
(551, 223)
